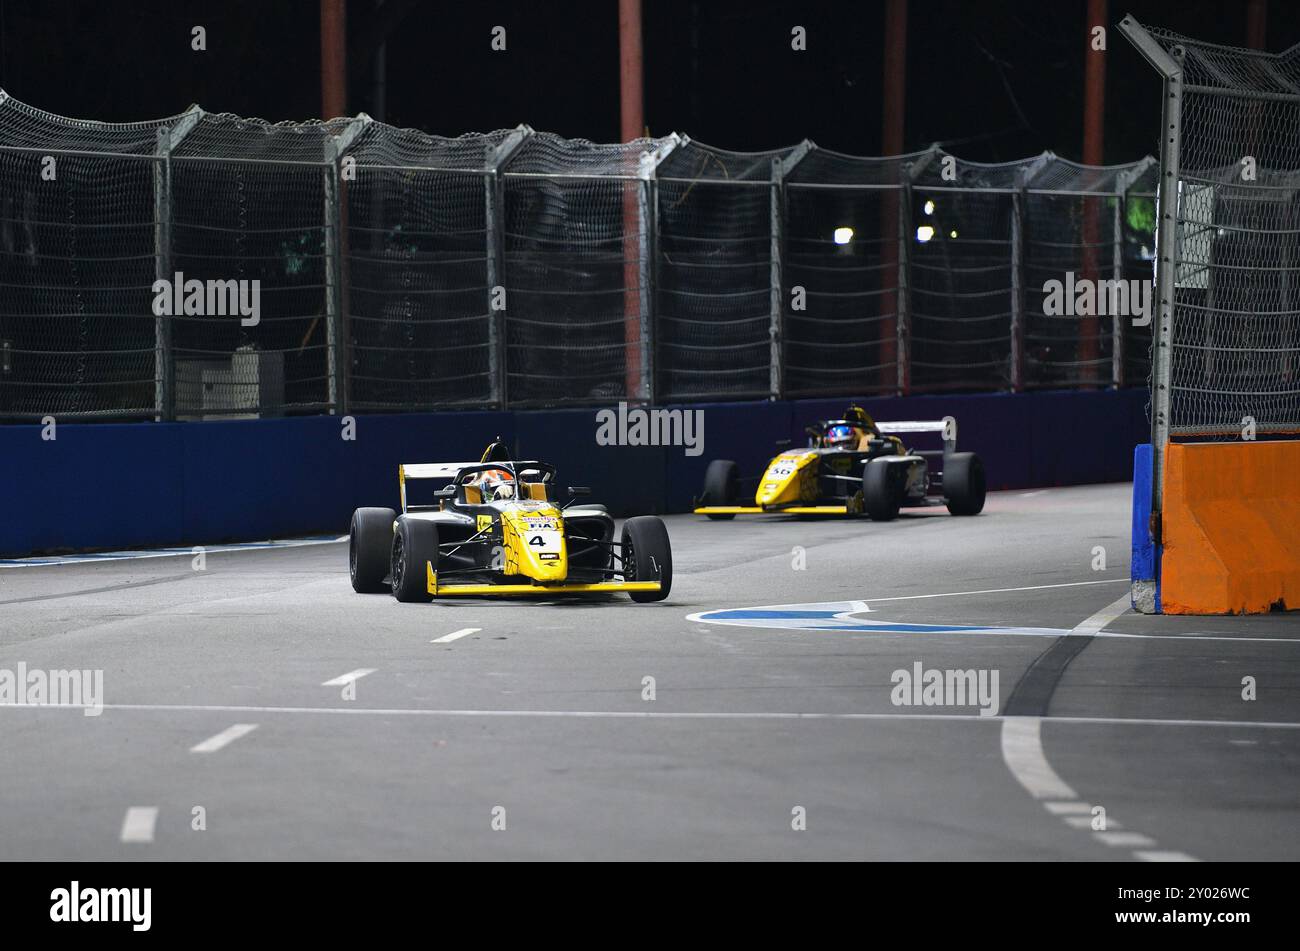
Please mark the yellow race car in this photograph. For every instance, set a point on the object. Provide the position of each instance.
(495, 528)
(853, 466)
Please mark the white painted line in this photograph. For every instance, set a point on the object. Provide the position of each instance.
(1068, 808)
(1127, 840)
(962, 594)
(455, 635)
(139, 823)
(1085, 822)
(1163, 856)
(651, 715)
(54, 561)
(350, 677)
(224, 738)
(1022, 750)
(1098, 621)
(1030, 495)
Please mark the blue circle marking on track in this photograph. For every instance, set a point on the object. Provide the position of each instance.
(845, 616)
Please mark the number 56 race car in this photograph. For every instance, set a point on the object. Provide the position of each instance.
(495, 529)
(853, 466)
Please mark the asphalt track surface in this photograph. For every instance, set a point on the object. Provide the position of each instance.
(227, 689)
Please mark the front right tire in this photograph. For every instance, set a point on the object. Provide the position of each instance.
(721, 486)
(370, 541)
(647, 556)
(415, 543)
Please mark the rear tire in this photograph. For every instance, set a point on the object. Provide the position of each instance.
(881, 493)
(720, 486)
(647, 556)
(370, 543)
(414, 543)
(963, 483)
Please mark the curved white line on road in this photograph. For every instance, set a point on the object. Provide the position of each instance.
(1022, 751)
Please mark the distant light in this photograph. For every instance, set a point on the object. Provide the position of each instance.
(953, 233)
(924, 233)
(929, 207)
(843, 235)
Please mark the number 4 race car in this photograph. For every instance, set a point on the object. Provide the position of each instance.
(853, 466)
(495, 529)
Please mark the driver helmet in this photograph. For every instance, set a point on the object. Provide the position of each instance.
(496, 484)
(841, 436)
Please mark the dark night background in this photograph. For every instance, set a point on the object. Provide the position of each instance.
(991, 80)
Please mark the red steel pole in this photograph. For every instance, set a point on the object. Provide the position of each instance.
(632, 127)
(891, 143)
(1094, 101)
(333, 58)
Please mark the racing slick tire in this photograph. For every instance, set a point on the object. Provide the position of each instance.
(881, 492)
(370, 543)
(414, 543)
(647, 556)
(963, 483)
(720, 481)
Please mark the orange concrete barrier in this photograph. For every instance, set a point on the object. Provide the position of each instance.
(1231, 528)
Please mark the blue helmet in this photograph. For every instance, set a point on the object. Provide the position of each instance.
(840, 436)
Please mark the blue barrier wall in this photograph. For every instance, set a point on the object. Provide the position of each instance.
(106, 486)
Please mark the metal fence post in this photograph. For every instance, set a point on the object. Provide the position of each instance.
(1018, 288)
(1171, 69)
(776, 325)
(164, 351)
(1122, 183)
(909, 172)
(648, 261)
(338, 348)
(494, 220)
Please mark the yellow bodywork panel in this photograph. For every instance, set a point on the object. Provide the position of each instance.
(454, 590)
(790, 477)
(534, 544)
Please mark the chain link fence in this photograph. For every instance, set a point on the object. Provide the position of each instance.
(1229, 336)
(210, 266)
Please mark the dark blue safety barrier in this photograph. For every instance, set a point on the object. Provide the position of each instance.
(106, 486)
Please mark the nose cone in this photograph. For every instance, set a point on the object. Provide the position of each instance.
(536, 545)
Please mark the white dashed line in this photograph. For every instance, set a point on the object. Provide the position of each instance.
(1127, 840)
(1068, 808)
(455, 635)
(352, 676)
(139, 823)
(1158, 856)
(224, 738)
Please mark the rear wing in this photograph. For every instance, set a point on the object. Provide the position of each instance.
(432, 471)
(947, 425)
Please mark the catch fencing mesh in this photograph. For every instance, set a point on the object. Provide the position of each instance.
(393, 270)
(1235, 336)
